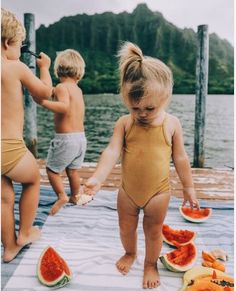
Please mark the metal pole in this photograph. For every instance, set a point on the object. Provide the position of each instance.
(201, 93)
(30, 105)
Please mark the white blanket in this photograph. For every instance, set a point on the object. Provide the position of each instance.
(87, 237)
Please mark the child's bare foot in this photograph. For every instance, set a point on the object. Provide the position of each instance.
(125, 262)
(26, 238)
(58, 204)
(151, 277)
(10, 254)
(73, 199)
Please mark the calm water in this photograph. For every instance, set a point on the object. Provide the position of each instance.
(103, 110)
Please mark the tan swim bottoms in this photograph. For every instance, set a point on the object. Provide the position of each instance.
(12, 151)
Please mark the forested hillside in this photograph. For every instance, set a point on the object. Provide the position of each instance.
(97, 37)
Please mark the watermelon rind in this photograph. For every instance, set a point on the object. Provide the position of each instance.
(196, 220)
(177, 243)
(176, 268)
(61, 281)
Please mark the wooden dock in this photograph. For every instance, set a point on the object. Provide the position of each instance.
(209, 183)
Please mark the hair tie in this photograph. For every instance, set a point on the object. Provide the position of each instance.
(139, 60)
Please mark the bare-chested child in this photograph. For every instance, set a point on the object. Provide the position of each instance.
(68, 147)
(17, 163)
(146, 139)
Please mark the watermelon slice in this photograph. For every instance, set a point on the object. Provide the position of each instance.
(177, 237)
(181, 259)
(52, 269)
(195, 215)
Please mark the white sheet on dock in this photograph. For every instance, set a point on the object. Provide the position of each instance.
(88, 238)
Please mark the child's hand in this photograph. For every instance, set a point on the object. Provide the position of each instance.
(91, 186)
(42, 102)
(43, 61)
(190, 196)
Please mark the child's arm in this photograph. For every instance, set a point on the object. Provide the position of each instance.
(108, 159)
(63, 103)
(44, 63)
(182, 165)
(39, 88)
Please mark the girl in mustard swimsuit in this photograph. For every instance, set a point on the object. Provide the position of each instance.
(146, 140)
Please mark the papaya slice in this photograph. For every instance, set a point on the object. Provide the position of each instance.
(208, 257)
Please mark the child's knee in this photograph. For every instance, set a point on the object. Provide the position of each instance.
(37, 178)
(7, 199)
(153, 231)
(34, 180)
(127, 228)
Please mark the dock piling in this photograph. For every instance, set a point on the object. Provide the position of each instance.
(30, 106)
(201, 93)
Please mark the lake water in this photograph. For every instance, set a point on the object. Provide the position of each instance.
(103, 110)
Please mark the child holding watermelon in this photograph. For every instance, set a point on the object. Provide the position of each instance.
(145, 139)
(17, 163)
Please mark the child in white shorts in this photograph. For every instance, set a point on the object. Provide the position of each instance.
(67, 149)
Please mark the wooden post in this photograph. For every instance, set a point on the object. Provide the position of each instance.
(201, 93)
(30, 106)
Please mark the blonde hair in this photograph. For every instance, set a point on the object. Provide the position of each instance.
(141, 75)
(69, 63)
(12, 29)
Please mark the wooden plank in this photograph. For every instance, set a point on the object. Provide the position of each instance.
(209, 183)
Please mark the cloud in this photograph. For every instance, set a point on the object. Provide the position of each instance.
(218, 14)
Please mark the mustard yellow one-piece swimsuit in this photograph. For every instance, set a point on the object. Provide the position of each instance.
(145, 162)
(12, 150)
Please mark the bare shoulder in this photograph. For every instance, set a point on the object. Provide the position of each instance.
(61, 89)
(79, 90)
(18, 71)
(60, 86)
(172, 119)
(173, 124)
(125, 121)
(17, 67)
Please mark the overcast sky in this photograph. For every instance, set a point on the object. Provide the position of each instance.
(218, 14)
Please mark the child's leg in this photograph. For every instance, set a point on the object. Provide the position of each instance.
(128, 221)
(8, 234)
(58, 187)
(154, 215)
(74, 181)
(26, 172)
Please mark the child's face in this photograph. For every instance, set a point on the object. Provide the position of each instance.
(13, 50)
(147, 110)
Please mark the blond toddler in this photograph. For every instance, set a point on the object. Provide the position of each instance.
(146, 139)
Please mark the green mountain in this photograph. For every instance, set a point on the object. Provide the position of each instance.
(97, 37)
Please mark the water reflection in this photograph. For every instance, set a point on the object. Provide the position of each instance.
(103, 110)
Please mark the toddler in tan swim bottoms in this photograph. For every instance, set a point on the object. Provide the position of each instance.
(12, 151)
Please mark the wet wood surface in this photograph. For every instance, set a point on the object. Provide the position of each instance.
(216, 184)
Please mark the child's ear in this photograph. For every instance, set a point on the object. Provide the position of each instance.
(6, 44)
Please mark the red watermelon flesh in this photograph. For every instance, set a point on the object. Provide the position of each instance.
(181, 259)
(196, 213)
(53, 270)
(53, 265)
(177, 237)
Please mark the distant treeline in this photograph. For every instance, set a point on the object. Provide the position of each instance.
(98, 37)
